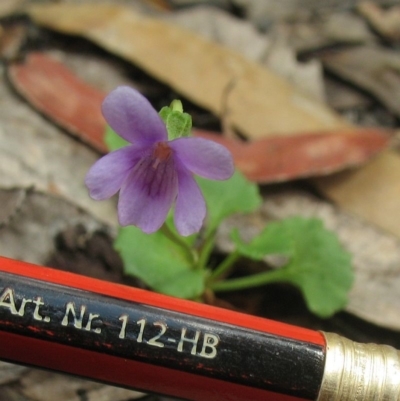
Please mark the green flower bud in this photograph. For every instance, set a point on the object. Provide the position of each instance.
(178, 123)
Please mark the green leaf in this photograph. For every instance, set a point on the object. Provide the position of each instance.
(113, 140)
(159, 262)
(178, 124)
(223, 198)
(318, 264)
(274, 240)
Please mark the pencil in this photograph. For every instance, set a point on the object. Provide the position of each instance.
(154, 343)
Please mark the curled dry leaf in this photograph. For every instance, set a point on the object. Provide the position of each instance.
(341, 96)
(9, 7)
(280, 158)
(328, 30)
(373, 69)
(60, 95)
(264, 12)
(386, 22)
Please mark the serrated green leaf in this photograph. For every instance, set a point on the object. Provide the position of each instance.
(113, 140)
(159, 262)
(318, 264)
(223, 198)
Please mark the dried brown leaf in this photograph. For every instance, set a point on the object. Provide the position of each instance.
(341, 96)
(386, 22)
(260, 101)
(273, 51)
(328, 30)
(9, 7)
(372, 192)
(373, 69)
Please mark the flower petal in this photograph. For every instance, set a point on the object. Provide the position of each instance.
(204, 157)
(190, 208)
(132, 117)
(106, 176)
(148, 194)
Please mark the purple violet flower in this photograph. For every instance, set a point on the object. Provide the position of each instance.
(153, 173)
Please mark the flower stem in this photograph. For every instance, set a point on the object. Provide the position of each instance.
(190, 253)
(254, 280)
(223, 267)
(206, 250)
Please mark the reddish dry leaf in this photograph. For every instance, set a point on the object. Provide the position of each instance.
(61, 96)
(65, 99)
(275, 159)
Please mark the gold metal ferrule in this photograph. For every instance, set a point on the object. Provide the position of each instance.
(359, 372)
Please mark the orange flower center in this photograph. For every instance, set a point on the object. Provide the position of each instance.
(162, 152)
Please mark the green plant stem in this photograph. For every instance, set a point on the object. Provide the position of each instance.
(206, 250)
(224, 266)
(254, 280)
(190, 253)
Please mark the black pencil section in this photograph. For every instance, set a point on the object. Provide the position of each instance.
(161, 337)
